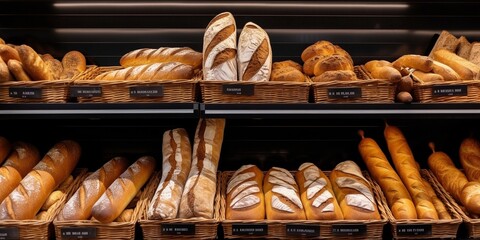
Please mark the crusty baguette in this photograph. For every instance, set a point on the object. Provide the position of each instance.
(177, 160)
(143, 56)
(119, 194)
(466, 69)
(7, 52)
(445, 41)
(386, 72)
(445, 71)
(397, 195)
(417, 62)
(409, 172)
(33, 63)
(26, 200)
(18, 164)
(16, 68)
(470, 158)
(424, 77)
(155, 71)
(79, 206)
(5, 74)
(254, 58)
(439, 206)
(5, 148)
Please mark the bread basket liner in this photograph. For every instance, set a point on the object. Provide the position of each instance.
(472, 224)
(42, 229)
(372, 90)
(118, 91)
(423, 92)
(277, 228)
(443, 228)
(204, 228)
(113, 230)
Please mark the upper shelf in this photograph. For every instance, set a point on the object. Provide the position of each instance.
(195, 110)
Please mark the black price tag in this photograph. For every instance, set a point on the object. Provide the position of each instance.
(146, 91)
(238, 89)
(78, 232)
(9, 233)
(353, 92)
(303, 230)
(250, 229)
(85, 91)
(414, 229)
(349, 229)
(449, 90)
(178, 229)
(25, 92)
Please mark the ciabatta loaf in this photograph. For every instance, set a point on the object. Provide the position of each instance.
(254, 58)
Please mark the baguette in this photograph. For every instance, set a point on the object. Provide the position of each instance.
(439, 206)
(7, 52)
(143, 56)
(470, 158)
(5, 74)
(254, 58)
(117, 196)
(417, 62)
(408, 171)
(79, 206)
(33, 63)
(445, 71)
(5, 148)
(386, 72)
(426, 77)
(18, 164)
(16, 68)
(466, 69)
(177, 160)
(445, 41)
(397, 195)
(155, 71)
(28, 197)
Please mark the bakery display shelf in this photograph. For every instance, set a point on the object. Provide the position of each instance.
(99, 110)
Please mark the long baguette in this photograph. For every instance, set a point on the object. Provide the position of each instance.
(439, 206)
(470, 158)
(408, 170)
(397, 195)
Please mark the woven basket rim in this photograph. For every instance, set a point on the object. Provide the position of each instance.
(133, 82)
(445, 83)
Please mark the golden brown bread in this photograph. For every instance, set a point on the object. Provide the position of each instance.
(287, 74)
(445, 41)
(125, 216)
(2, 41)
(386, 72)
(155, 71)
(353, 192)
(33, 64)
(331, 63)
(470, 197)
(282, 199)
(439, 206)
(372, 64)
(244, 194)
(16, 68)
(53, 198)
(426, 77)
(397, 195)
(7, 52)
(119, 194)
(254, 59)
(339, 50)
(466, 69)
(445, 71)
(317, 194)
(177, 160)
(5, 75)
(309, 64)
(73, 63)
(320, 48)
(470, 158)
(287, 63)
(409, 172)
(5, 148)
(143, 56)
(464, 47)
(79, 206)
(338, 75)
(56, 68)
(28, 197)
(417, 62)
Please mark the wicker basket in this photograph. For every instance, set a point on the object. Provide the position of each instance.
(364, 90)
(39, 229)
(196, 228)
(424, 228)
(114, 230)
(45, 91)
(447, 91)
(137, 91)
(277, 229)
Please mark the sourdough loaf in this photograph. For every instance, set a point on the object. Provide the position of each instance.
(254, 58)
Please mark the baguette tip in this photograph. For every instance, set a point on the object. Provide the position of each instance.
(431, 145)
(361, 133)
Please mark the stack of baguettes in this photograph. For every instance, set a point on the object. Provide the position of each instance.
(309, 194)
(23, 63)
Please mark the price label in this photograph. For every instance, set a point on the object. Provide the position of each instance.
(85, 91)
(178, 229)
(146, 91)
(250, 229)
(9, 233)
(414, 229)
(353, 92)
(78, 232)
(449, 90)
(349, 229)
(25, 92)
(238, 89)
(303, 230)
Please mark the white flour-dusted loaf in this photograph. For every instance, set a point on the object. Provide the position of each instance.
(220, 48)
(254, 59)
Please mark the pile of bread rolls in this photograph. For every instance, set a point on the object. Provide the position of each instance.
(23, 63)
(408, 195)
(309, 194)
(30, 186)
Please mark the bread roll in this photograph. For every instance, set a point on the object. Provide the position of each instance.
(287, 63)
(309, 64)
(445, 71)
(53, 198)
(7, 53)
(244, 194)
(19, 163)
(317, 194)
(143, 56)
(417, 62)
(445, 41)
(474, 56)
(5, 148)
(199, 193)
(464, 47)
(125, 216)
(331, 63)
(220, 48)
(397, 195)
(372, 64)
(287, 74)
(439, 206)
(282, 196)
(426, 77)
(470, 158)
(26, 200)
(177, 160)
(155, 71)
(16, 68)
(338, 75)
(5, 75)
(466, 69)
(341, 51)
(117, 196)
(33, 64)
(254, 58)
(353, 192)
(56, 68)
(386, 72)
(409, 172)
(79, 206)
(320, 48)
